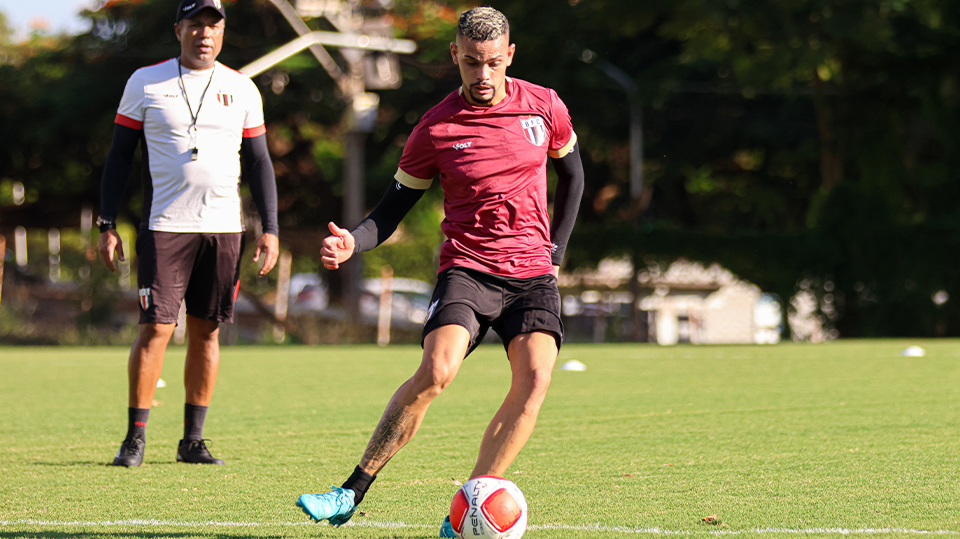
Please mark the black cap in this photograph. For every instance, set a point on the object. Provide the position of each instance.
(189, 8)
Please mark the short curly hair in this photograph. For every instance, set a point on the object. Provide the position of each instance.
(483, 24)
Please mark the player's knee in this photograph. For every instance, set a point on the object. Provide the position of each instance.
(207, 336)
(442, 376)
(541, 380)
(151, 335)
(535, 382)
(434, 378)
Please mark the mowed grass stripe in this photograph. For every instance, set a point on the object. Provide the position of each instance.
(845, 436)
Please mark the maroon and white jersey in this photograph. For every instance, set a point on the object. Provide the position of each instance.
(492, 166)
(186, 194)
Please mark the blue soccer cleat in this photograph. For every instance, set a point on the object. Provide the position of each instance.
(336, 506)
(446, 529)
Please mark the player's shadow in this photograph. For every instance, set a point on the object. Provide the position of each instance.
(114, 534)
(51, 534)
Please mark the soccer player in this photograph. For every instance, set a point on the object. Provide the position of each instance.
(488, 142)
(193, 118)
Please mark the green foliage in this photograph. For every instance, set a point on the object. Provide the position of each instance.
(814, 441)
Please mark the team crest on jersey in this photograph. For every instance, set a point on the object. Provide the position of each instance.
(145, 298)
(534, 130)
(224, 98)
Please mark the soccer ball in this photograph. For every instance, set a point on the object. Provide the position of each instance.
(490, 507)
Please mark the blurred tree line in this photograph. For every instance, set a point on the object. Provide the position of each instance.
(802, 144)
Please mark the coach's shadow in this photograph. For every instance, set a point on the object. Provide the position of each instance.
(72, 463)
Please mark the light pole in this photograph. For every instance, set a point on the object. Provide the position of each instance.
(635, 140)
(636, 125)
(354, 37)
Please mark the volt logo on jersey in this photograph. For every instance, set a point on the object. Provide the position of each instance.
(462, 145)
(534, 130)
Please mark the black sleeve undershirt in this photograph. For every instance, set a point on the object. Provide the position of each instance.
(384, 219)
(116, 170)
(566, 202)
(258, 173)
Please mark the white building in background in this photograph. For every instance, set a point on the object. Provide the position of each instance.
(686, 302)
(706, 305)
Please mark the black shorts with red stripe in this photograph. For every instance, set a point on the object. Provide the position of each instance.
(199, 269)
(481, 301)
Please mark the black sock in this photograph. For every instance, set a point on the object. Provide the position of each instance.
(193, 418)
(359, 481)
(137, 423)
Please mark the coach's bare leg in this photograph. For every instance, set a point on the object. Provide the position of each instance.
(203, 360)
(443, 351)
(532, 356)
(146, 363)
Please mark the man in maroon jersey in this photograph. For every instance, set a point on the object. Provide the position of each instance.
(488, 142)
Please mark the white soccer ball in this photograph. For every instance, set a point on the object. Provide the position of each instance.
(490, 507)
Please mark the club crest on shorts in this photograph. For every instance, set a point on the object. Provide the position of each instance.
(145, 298)
(534, 130)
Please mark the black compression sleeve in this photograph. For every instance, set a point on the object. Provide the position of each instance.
(116, 170)
(258, 173)
(566, 203)
(383, 220)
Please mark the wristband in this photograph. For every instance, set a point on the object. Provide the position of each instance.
(105, 225)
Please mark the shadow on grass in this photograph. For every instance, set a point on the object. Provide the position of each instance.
(49, 534)
(72, 463)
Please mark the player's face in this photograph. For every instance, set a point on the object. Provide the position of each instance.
(483, 68)
(201, 38)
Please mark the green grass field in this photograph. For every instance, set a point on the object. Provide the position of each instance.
(812, 440)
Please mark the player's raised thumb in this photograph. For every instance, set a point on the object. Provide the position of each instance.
(337, 231)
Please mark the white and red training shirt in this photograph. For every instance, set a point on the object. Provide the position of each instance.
(492, 167)
(186, 195)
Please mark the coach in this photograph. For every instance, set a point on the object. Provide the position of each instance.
(194, 119)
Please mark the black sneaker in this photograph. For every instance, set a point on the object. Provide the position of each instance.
(130, 453)
(195, 452)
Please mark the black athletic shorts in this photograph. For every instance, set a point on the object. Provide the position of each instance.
(479, 301)
(201, 269)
